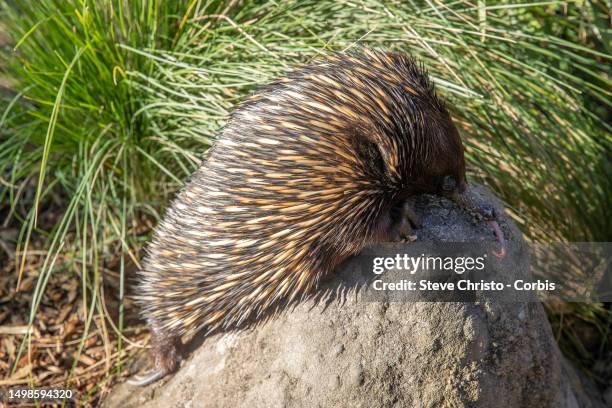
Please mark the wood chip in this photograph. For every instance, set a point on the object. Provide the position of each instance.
(14, 330)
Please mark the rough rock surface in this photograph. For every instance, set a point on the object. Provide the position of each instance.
(346, 352)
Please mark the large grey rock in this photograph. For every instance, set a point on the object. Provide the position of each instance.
(341, 351)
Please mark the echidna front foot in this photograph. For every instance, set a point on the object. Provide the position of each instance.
(404, 221)
(409, 214)
(167, 358)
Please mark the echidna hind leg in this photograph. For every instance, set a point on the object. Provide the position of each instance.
(167, 357)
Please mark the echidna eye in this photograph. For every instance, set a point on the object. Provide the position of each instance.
(449, 183)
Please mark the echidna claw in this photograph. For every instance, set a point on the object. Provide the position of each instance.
(147, 378)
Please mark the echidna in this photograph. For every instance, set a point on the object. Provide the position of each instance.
(307, 172)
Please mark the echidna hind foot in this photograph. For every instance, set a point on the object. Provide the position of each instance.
(167, 359)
